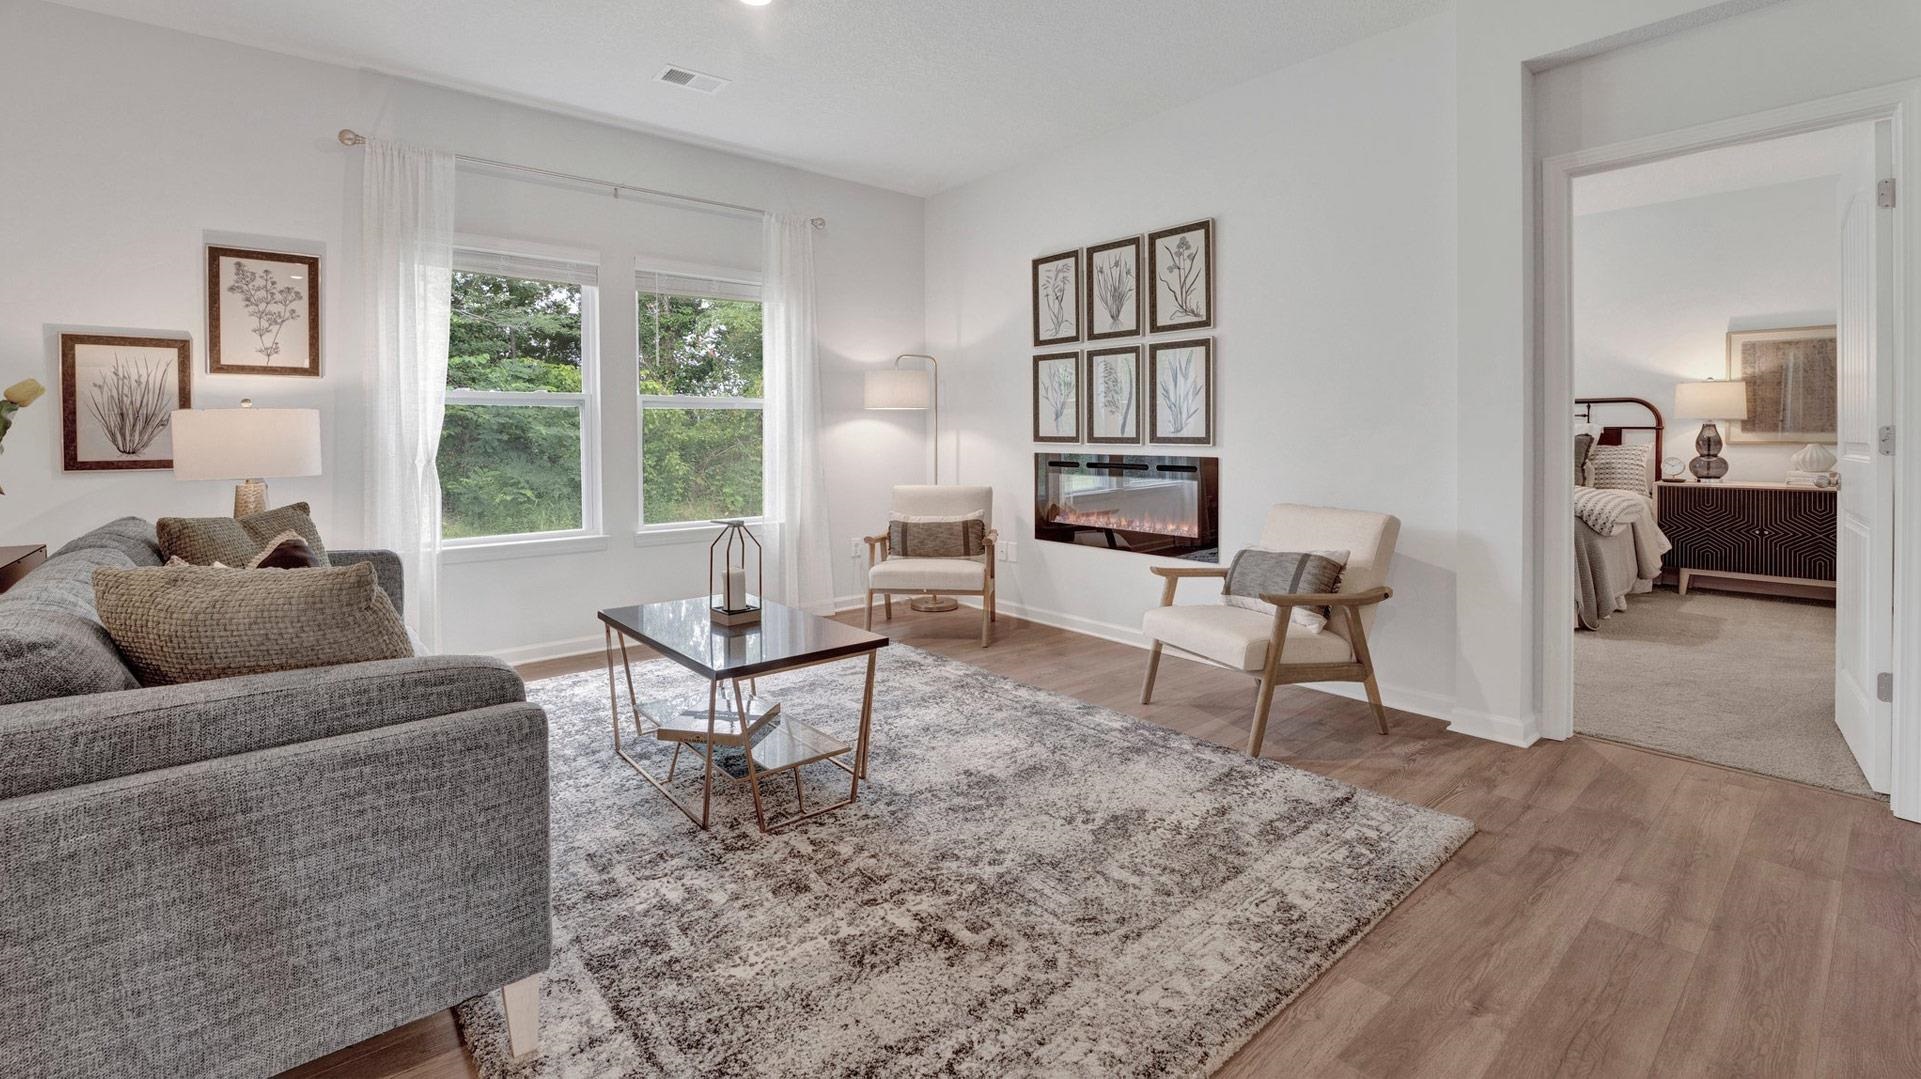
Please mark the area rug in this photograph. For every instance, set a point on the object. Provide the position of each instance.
(1029, 885)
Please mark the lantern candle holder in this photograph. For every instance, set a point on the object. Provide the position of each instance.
(728, 600)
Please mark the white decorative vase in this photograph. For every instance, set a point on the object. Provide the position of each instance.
(1813, 457)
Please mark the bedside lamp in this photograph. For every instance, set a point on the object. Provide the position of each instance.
(1709, 401)
(247, 444)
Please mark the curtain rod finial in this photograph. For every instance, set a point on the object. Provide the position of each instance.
(349, 137)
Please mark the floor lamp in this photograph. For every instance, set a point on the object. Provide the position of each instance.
(892, 389)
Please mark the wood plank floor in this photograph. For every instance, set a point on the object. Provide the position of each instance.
(1620, 912)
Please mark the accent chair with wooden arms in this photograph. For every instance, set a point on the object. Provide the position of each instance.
(1271, 645)
(891, 572)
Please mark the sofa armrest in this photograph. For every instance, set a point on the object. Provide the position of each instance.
(66, 741)
(387, 571)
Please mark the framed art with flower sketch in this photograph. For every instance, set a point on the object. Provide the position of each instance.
(117, 399)
(1114, 289)
(263, 312)
(1180, 375)
(1057, 299)
(1180, 294)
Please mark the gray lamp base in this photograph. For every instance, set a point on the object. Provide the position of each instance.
(1708, 467)
(934, 604)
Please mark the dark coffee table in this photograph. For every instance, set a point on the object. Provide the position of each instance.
(758, 738)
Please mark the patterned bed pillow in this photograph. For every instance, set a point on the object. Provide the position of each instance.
(1256, 570)
(1621, 468)
(964, 536)
(1583, 446)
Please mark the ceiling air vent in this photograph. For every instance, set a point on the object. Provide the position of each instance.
(691, 80)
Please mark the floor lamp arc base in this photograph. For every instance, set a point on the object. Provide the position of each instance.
(933, 604)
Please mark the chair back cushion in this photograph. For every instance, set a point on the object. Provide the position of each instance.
(1368, 538)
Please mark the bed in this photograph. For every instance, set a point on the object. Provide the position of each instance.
(1618, 541)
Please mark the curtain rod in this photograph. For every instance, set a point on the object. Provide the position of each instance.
(349, 137)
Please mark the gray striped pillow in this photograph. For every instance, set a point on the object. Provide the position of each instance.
(1621, 468)
(1255, 571)
(937, 537)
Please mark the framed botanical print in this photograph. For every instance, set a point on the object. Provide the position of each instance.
(1180, 409)
(1057, 397)
(1793, 381)
(1114, 290)
(1057, 299)
(1113, 392)
(117, 398)
(263, 313)
(1181, 268)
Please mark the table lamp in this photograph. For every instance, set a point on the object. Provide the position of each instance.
(248, 444)
(1708, 401)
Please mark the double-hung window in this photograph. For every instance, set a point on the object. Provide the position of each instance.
(516, 445)
(700, 398)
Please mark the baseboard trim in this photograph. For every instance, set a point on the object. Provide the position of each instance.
(534, 653)
(1520, 731)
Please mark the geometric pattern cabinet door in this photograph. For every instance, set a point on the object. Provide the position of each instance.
(1758, 531)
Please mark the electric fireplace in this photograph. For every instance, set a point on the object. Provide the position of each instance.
(1129, 502)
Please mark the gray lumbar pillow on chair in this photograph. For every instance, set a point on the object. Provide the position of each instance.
(1255, 571)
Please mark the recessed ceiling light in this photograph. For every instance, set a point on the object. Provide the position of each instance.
(756, 3)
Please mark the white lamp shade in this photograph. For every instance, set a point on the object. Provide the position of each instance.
(892, 388)
(1711, 400)
(245, 443)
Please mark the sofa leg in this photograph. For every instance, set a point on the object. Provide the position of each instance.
(1153, 668)
(1259, 732)
(521, 1001)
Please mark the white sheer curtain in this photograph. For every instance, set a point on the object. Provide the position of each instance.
(407, 232)
(795, 496)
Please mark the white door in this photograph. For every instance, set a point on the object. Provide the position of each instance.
(1864, 558)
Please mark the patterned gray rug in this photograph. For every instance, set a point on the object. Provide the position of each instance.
(1030, 885)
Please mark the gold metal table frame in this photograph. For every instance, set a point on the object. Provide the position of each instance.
(734, 724)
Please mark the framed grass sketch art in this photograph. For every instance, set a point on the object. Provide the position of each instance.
(1113, 392)
(1792, 378)
(1181, 273)
(117, 398)
(1057, 397)
(1057, 299)
(1114, 290)
(1180, 408)
(263, 313)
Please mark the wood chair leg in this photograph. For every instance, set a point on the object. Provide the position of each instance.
(987, 621)
(993, 605)
(1264, 697)
(887, 601)
(1358, 635)
(870, 610)
(1262, 701)
(521, 1001)
(1153, 668)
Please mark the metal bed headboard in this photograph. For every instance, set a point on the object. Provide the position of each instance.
(1611, 433)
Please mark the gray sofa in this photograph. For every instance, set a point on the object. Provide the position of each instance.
(234, 877)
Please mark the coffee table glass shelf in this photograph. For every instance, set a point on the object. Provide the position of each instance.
(735, 730)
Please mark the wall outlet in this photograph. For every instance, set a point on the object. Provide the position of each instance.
(860, 547)
(1008, 551)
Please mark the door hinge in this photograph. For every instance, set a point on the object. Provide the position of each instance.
(1884, 194)
(1887, 441)
(1884, 687)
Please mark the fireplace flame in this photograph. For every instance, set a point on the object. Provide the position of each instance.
(1115, 520)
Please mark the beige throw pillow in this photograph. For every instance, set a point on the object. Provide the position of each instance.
(964, 536)
(235, 541)
(194, 623)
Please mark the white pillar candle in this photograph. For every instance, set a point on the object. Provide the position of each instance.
(734, 596)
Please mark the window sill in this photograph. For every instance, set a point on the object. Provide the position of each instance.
(701, 532)
(460, 551)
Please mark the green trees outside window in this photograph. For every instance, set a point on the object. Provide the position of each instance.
(701, 387)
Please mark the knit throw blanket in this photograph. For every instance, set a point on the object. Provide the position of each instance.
(1607, 510)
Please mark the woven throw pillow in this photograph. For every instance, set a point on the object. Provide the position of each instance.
(235, 541)
(193, 623)
(288, 550)
(1583, 445)
(937, 537)
(1621, 468)
(1255, 571)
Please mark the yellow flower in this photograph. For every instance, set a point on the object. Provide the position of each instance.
(24, 392)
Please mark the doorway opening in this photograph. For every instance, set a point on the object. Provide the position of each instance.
(1728, 330)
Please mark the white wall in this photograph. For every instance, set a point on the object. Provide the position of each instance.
(127, 147)
(1658, 287)
(1332, 188)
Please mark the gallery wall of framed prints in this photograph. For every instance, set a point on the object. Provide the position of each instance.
(1157, 289)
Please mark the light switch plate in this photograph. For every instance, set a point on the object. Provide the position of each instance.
(1008, 552)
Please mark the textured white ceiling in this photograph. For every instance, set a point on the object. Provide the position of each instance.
(914, 95)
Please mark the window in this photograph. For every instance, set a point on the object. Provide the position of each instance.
(514, 446)
(700, 399)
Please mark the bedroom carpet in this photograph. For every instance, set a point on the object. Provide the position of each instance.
(1735, 680)
(1030, 885)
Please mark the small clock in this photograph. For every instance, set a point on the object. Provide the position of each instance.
(1672, 468)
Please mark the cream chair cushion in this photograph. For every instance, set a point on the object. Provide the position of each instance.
(1237, 637)
(1368, 539)
(957, 574)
